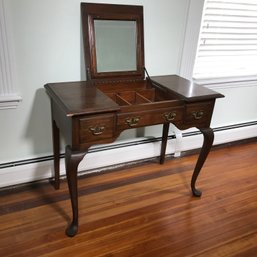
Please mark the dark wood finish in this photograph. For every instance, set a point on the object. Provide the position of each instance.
(89, 12)
(98, 110)
(184, 88)
(207, 144)
(79, 98)
(56, 149)
(87, 126)
(146, 210)
(72, 160)
(165, 133)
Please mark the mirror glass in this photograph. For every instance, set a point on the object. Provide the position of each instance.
(116, 45)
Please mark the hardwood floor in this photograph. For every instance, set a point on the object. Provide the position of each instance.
(146, 210)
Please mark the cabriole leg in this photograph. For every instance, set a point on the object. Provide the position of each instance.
(72, 160)
(207, 144)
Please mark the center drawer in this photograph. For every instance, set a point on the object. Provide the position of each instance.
(147, 118)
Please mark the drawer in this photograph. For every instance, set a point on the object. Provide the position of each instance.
(147, 118)
(199, 113)
(98, 127)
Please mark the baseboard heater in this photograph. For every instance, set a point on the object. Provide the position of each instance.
(127, 144)
(121, 154)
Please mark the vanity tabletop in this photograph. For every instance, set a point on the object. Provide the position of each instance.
(185, 89)
(76, 98)
(83, 97)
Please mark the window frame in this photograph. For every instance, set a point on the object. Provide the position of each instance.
(218, 79)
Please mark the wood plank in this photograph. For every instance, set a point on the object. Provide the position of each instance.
(142, 210)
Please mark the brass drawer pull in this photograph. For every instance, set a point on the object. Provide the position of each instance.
(132, 121)
(169, 116)
(198, 115)
(97, 130)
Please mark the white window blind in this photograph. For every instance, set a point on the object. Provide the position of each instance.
(228, 40)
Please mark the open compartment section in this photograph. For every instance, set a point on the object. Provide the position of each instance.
(142, 93)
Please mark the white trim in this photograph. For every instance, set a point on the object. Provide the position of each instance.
(228, 84)
(224, 80)
(92, 162)
(193, 25)
(178, 140)
(9, 102)
(118, 156)
(9, 97)
(220, 137)
(226, 49)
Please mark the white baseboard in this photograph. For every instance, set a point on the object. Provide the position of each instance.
(96, 161)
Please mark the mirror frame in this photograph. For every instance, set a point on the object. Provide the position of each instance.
(91, 12)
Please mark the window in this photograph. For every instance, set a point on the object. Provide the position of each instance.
(227, 47)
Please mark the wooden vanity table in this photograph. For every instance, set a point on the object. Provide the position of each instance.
(117, 97)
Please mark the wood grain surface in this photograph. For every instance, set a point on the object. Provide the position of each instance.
(144, 210)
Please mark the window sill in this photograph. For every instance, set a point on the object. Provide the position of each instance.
(228, 82)
(10, 102)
